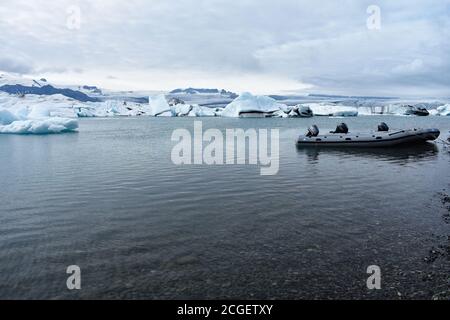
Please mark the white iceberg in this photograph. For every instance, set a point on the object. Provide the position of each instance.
(85, 113)
(247, 104)
(280, 114)
(112, 108)
(199, 111)
(286, 109)
(35, 121)
(397, 109)
(443, 110)
(109, 108)
(40, 126)
(300, 111)
(159, 106)
(332, 110)
(182, 110)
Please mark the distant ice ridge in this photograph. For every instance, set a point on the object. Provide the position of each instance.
(110, 108)
(246, 105)
(36, 120)
(332, 110)
(18, 93)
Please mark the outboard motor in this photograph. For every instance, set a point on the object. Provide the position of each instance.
(341, 128)
(383, 127)
(313, 131)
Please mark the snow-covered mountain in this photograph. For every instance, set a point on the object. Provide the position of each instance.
(22, 86)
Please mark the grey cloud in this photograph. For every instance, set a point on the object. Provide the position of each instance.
(325, 44)
(15, 66)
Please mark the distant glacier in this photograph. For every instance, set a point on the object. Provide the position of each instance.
(36, 106)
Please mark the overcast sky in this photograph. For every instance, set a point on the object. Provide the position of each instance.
(247, 45)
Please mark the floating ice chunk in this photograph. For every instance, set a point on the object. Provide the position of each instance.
(34, 120)
(444, 110)
(300, 111)
(85, 113)
(199, 111)
(40, 126)
(280, 114)
(247, 103)
(332, 110)
(159, 106)
(285, 108)
(112, 108)
(395, 109)
(206, 112)
(182, 110)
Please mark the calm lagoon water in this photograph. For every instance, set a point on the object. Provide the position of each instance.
(110, 200)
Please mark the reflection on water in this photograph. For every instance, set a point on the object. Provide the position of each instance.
(110, 200)
(399, 154)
